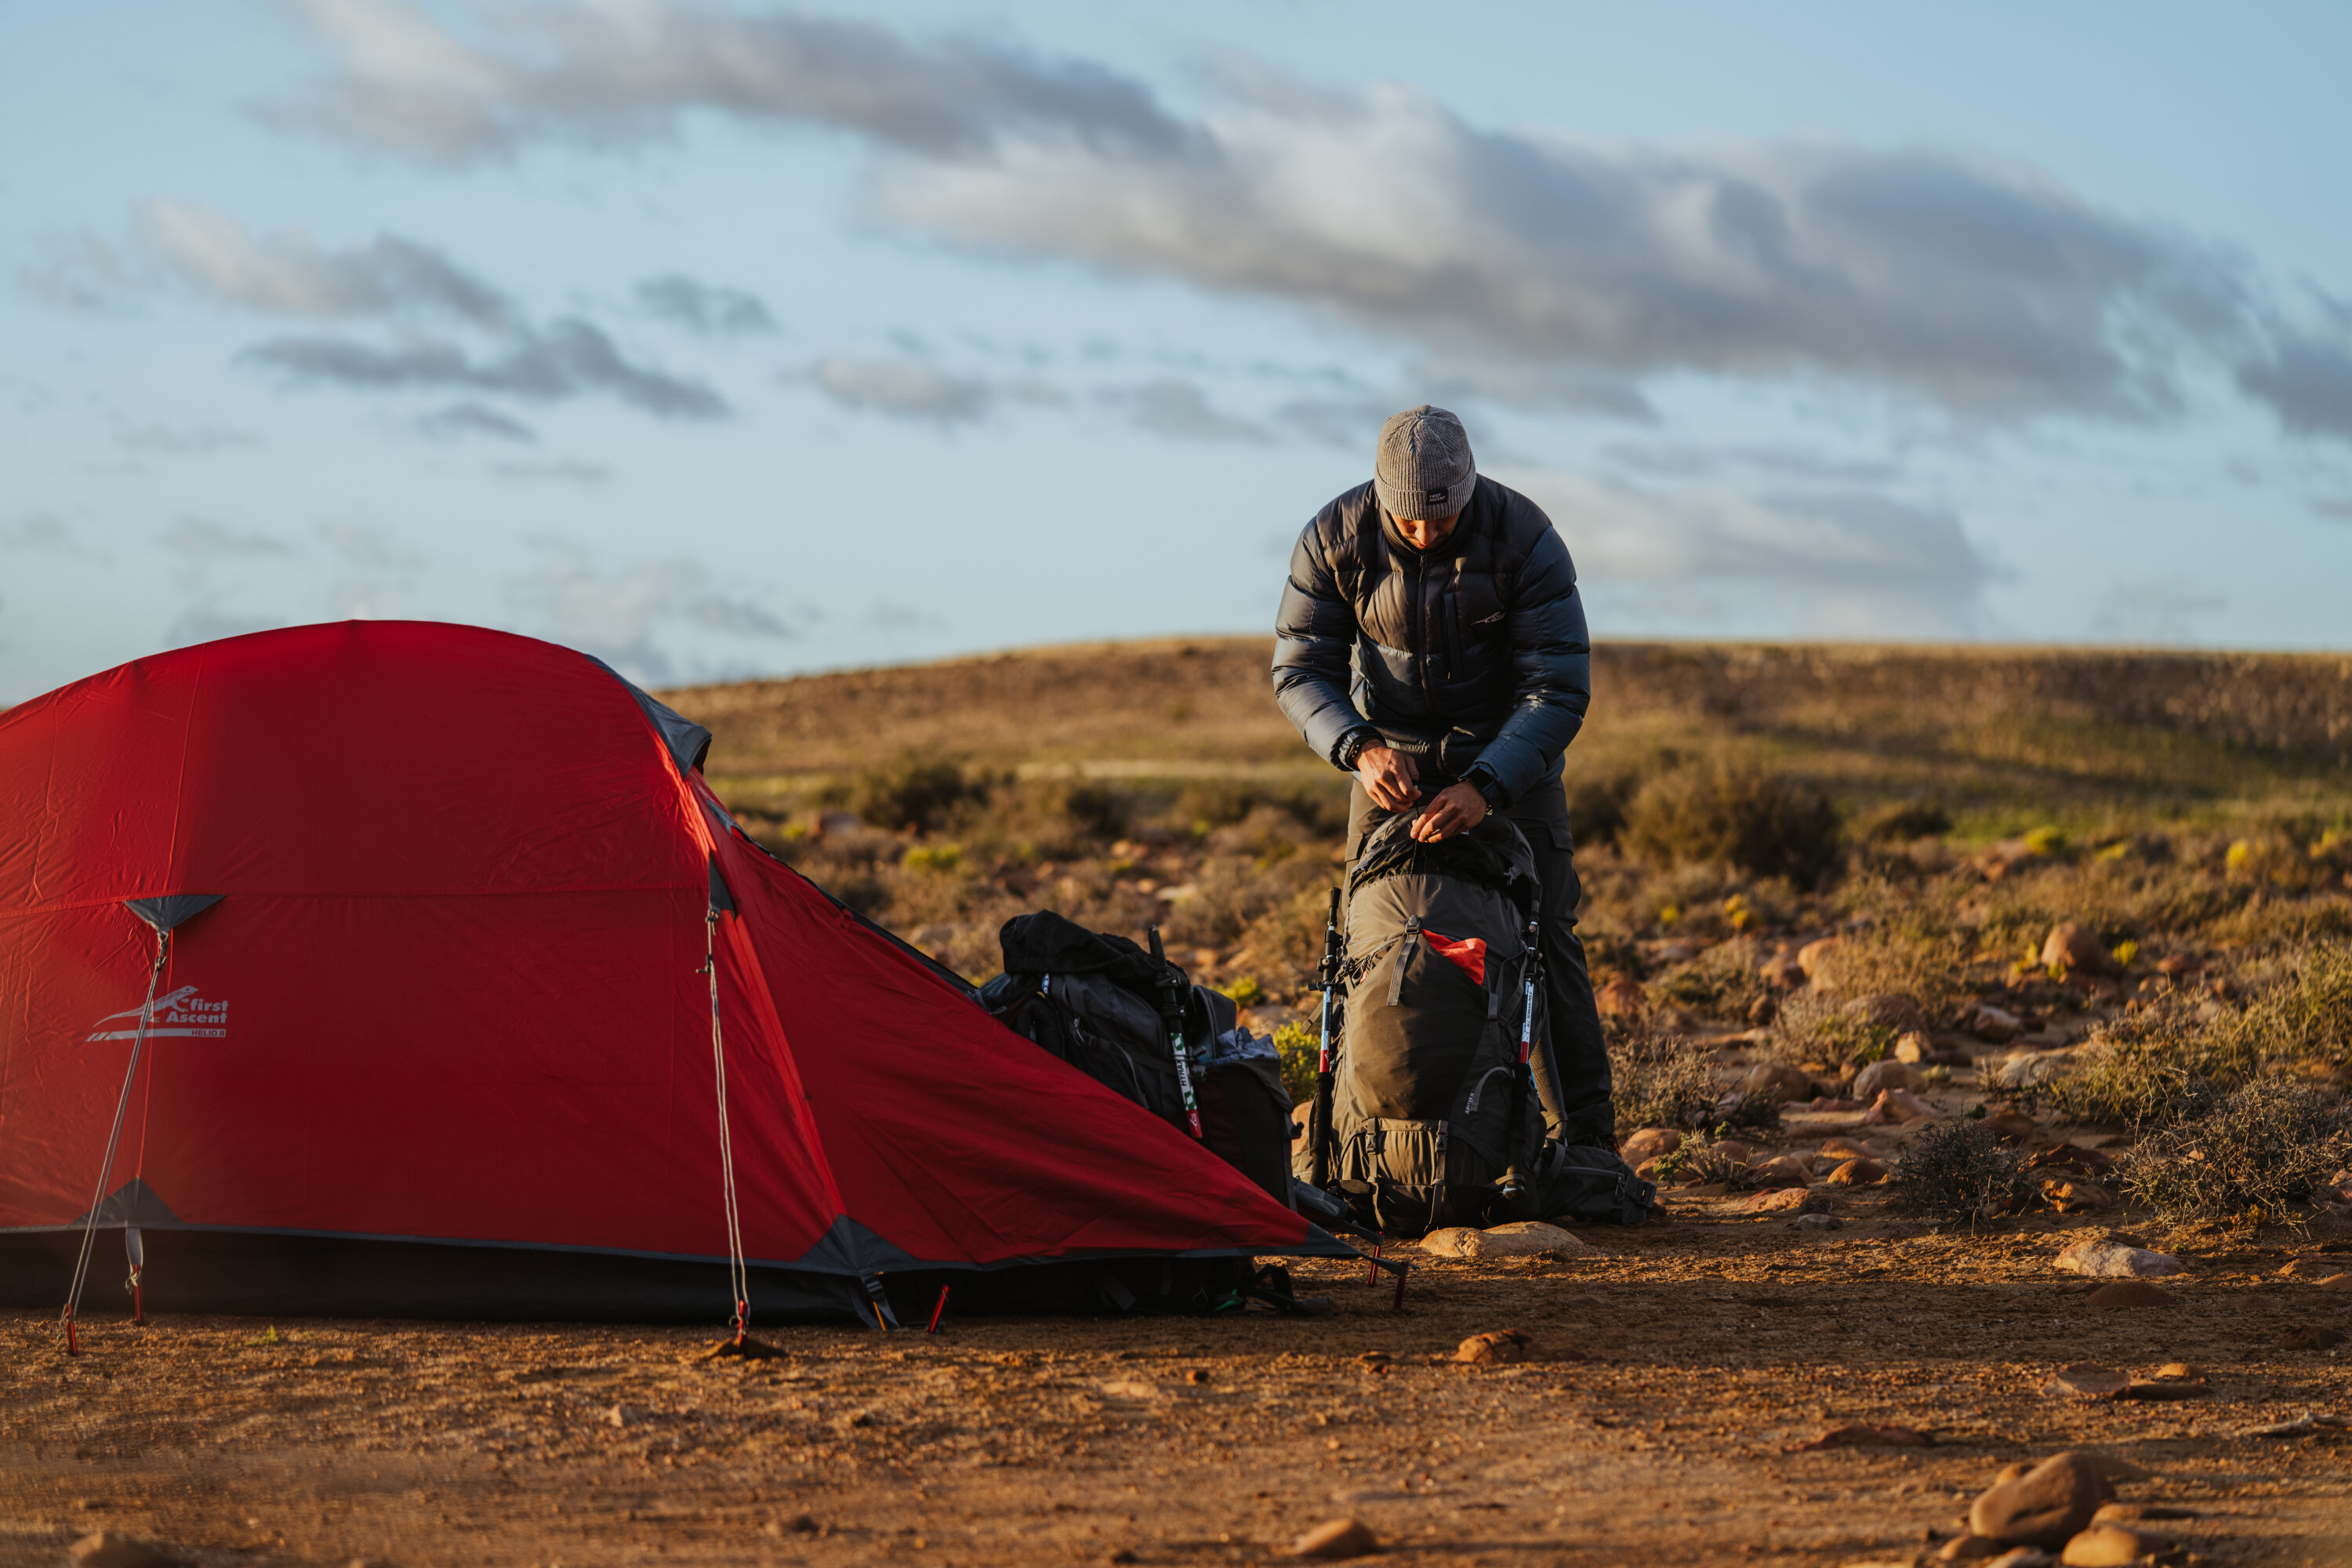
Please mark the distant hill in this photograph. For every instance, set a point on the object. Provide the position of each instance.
(1998, 734)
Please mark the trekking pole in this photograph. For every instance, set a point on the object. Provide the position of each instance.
(1515, 1181)
(1319, 1121)
(1171, 1013)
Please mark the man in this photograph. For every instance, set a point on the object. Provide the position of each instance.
(1431, 642)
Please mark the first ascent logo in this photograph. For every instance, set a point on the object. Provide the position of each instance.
(182, 1013)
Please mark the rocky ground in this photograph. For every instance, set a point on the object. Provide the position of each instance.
(1679, 1372)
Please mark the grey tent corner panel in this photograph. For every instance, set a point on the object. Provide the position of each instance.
(169, 911)
(686, 741)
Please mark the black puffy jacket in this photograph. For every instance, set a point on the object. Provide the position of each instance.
(1478, 646)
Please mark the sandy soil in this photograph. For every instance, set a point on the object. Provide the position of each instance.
(1707, 1349)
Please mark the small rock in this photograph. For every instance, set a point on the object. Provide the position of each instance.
(2044, 1507)
(797, 1524)
(2071, 947)
(1733, 1150)
(1887, 1010)
(1867, 1437)
(2022, 1557)
(1969, 1549)
(1340, 1538)
(1649, 1144)
(2179, 963)
(112, 1549)
(839, 824)
(2023, 1070)
(1775, 1202)
(2110, 1546)
(2012, 1126)
(1778, 1082)
(2308, 1337)
(1818, 1222)
(1887, 1074)
(1782, 1171)
(2133, 1513)
(2072, 1196)
(2180, 1369)
(2129, 1296)
(1846, 1149)
(1860, 1174)
(1815, 955)
(1913, 1046)
(2087, 1380)
(1621, 998)
(2339, 1283)
(1994, 1024)
(1495, 1347)
(622, 1416)
(2103, 1259)
(1520, 1238)
(1897, 1107)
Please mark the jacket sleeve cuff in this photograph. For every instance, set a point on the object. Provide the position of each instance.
(1489, 784)
(1343, 756)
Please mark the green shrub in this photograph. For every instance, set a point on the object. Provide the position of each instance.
(2257, 1150)
(920, 793)
(1660, 1079)
(1962, 1172)
(1596, 806)
(1766, 824)
(1301, 1047)
(1902, 821)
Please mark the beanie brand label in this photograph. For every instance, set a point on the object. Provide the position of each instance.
(1434, 495)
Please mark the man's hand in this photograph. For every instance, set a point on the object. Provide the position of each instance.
(1457, 809)
(1388, 776)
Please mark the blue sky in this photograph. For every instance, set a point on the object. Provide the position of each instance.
(724, 340)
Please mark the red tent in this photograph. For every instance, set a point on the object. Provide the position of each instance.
(425, 910)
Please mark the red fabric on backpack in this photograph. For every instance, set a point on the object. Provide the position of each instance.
(1470, 952)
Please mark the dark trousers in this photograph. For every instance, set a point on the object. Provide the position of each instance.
(1576, 1100)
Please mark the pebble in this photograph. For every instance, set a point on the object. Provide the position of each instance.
(2133, 1513)
(1846, 1149)
(1969, 1549)
(1779, 1083)
(1899, 1106)
(1861, 1173)
(2044, 1507)
(1775, 1201)
(2339, 1283)
(2012, 1126)
(1782, 1171)
(1818, 1222)
(2076, 1196)
(2103, 1259)
(1496, 1347)
(1994, 1024)
(1649, 1144)
(1887, 1074)
(1914, 1046)
(1340, 1538)
(112, 1549)
(2088, 1380)
(2072, 946)
(1813, 955)
(2129, 1296)
(2308, 1337)
(1520, 1238)
(2022, 1557)
(2110, 1546)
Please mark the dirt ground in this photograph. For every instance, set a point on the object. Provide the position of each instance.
(1688, 1360)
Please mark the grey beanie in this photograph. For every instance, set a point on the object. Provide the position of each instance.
(1423, 468)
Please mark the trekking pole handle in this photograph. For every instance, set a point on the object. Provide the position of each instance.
(1172, 1014)
(1319, 1118)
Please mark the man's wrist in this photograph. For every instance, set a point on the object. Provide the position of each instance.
(1352, 746)
(1482, 778)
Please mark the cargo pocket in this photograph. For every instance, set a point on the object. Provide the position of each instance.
(1416, 1022)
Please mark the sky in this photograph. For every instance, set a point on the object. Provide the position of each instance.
(722, 340)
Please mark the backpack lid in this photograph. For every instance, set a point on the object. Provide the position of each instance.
(1046, 943)
(1495, 854)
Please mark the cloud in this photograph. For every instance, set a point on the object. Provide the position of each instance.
(79, 272)
(618, 616)
(567, 358)
(564, 471)
(2335, 509)
(1541, 268)
(627, 69)
(1718, 560)
(463, 419)
(2155, 611)
(704, 308)
(289, 275)
(905, 387)
(1177, 409)
(201, 540)
(181, 441)
(40, 533)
